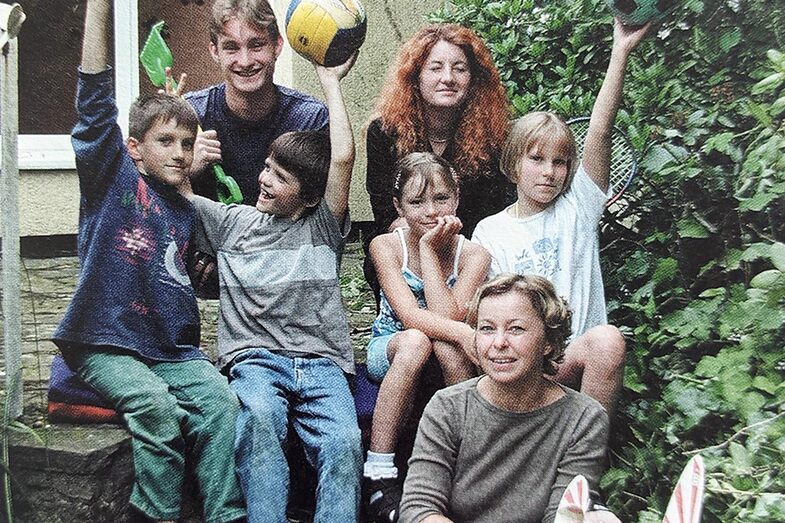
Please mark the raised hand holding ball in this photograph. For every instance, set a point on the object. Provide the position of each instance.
(638, 12)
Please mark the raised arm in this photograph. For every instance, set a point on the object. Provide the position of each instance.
(341, 138)
(597, 151)
(95, 43)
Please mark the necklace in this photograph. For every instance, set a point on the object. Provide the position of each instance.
(513, 209)
(435, 140)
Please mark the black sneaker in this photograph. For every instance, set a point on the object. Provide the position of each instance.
(382, 498)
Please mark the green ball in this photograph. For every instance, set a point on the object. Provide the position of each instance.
(638, 12)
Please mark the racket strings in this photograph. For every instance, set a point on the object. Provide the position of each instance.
(622, 155)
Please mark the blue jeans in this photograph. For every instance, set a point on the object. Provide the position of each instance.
(316, 392)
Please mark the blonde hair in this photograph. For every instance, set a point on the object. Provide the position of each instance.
(552, 310)
(533, 130)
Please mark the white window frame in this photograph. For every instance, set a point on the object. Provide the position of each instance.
(53, 151)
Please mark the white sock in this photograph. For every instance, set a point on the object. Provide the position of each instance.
(380, 465)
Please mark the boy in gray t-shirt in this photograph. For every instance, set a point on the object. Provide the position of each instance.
(283, 337)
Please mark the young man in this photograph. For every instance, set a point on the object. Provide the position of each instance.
(283, 336)
(244, 114)
(132, 329)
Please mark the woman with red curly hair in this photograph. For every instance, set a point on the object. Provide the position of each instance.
(443, 95)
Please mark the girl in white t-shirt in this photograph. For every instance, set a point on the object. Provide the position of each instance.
(552, 230)
(428, 272)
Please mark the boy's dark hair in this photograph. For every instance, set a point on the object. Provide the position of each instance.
(159, 107)
(306, 155)
(257, 12)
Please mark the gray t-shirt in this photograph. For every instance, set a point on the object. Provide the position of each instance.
(474, 462)
(279, 286)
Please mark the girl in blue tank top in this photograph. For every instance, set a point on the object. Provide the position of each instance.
(428, 272)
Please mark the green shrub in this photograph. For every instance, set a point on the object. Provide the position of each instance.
(694, 262)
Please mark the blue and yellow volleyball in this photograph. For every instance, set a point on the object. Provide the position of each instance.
(638, 12)
(325, 31)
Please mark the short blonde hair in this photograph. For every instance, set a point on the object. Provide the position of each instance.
(532, 130)
(552, 309)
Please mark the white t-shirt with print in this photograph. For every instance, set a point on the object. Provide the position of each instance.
(560, 243)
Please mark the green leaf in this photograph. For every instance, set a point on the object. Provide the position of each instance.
(730, 39)
(759, 113)
(695, 404)
(739, 455)
(758, 202)
(666, 270)
(633, 381)
(769, 83)
(769, 506)
(719, 142)
(765, 279)
(756, 251)
(776, 57)
(765, 384)
(777, 255)
(690, 228)
(708, 367)
(712, 293)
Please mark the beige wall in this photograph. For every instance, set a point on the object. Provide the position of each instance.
(49, 200)
(390, 22)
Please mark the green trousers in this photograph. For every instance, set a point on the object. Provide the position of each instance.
(176, 412)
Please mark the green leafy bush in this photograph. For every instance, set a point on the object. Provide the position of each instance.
(694, 261)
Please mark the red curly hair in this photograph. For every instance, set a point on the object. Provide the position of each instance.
(483, 123)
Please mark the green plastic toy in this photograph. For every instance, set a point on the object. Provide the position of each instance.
(155, 58)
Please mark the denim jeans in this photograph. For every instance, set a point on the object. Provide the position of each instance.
(174, 411)
(315, 392)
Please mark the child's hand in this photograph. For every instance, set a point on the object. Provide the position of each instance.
(442, 234)
(170, 86)
(627, 37)
(338, 71)
(207, 151)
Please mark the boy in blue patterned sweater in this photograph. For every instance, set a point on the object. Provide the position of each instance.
(132, 329)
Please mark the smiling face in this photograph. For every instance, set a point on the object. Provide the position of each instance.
(279, 192)
(542, 173)
(423, 201)
(510, 339)
(246, 55)
(445, 76)
(165, 152)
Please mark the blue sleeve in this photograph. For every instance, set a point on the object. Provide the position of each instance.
(96, 137)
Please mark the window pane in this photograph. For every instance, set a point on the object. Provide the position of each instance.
(50, 45)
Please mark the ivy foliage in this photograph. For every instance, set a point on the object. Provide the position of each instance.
(694, 259)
